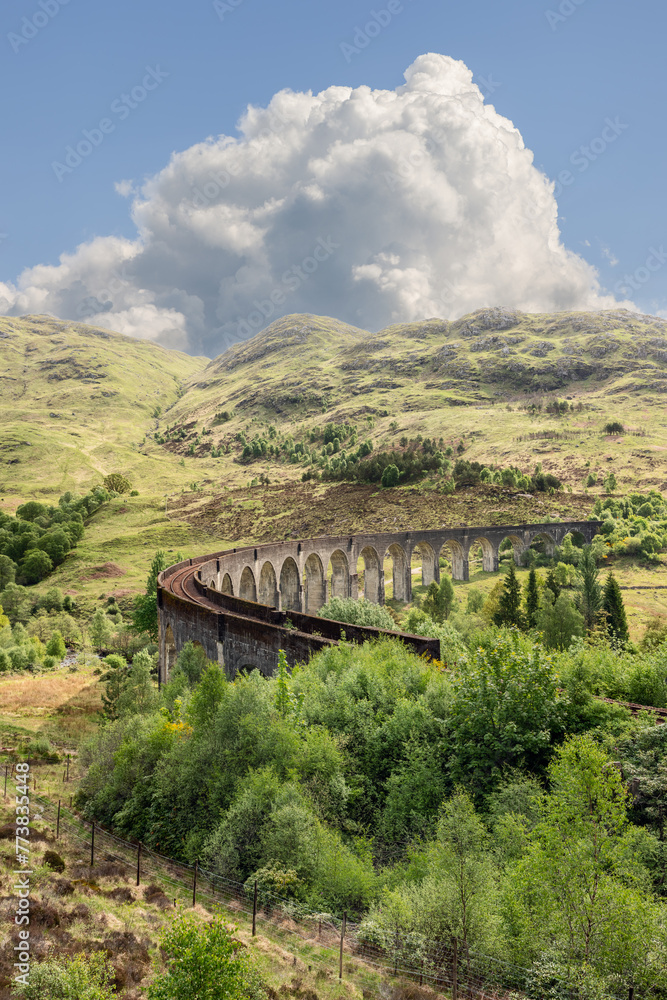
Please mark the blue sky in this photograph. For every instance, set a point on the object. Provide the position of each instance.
(559, 70)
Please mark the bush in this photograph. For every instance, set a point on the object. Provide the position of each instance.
(614, 427)
(56, 646)
(53, 860)
(204, 962)
(390, 476)
(77, 978)
(346, 609)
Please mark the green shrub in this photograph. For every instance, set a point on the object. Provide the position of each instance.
(77, 978)
(204, 962)
(390, 476)
(346, 609)
(53, 860)
(56, 646)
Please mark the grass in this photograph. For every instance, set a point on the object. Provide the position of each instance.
(61, 704)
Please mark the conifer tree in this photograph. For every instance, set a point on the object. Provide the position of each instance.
(612, 605)
(532, 599)
(509, 605)
(589, 597)
(552, 584)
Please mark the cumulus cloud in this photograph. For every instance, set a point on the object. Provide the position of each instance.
(372, 206)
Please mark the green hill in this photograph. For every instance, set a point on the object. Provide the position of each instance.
(487, 378)
(76, 403)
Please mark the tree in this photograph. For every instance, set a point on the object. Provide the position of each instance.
(506, 712)
(115, 678)
(36, 565)
(207, 696)
(455, 901)
(474, 601)
(552, 583)
(610, 483)
(192, 662)
(612, 605)
(7, 571)
(286, 702)
(56, 543)
(559, 621)
(56, 646)
(509, 605)
(100, 630)
(532, 599)
(645, 765)
(138, 692)
(390, 476)
(439, 599)
(589, 591)
(204, 962)
(115, 482)
(580, 883)
(144, 616)
(31, 510)
(52, 600)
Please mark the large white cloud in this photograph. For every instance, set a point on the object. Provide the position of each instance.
(373, 206)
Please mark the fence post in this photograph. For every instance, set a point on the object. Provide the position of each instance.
(67, 778)
(455, 971)
(342, 938)
(92, 848)
(194, 884)
(6, 773)
(631, 993)
(138, 864)
(58, 822)
(254, 910)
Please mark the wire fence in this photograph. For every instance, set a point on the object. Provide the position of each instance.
(444, 967)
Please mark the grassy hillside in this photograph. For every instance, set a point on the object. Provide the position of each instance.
(76, 403)
(486, 379)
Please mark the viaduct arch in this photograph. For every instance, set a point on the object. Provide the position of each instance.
(245, 604)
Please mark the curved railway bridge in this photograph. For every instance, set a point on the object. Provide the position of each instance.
(243, 605)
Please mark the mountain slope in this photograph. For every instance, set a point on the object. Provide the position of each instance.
(487, 379)
(75, 402)
(490, 355)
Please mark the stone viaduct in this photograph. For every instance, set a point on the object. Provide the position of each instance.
(243, 605)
